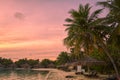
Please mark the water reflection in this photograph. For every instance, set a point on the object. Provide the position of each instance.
(22, 75)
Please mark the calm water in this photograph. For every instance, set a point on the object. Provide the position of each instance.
(22, 75)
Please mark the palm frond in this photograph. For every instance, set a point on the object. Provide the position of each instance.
(74, 14)
(69, 20)
(110, 4)
(95, 14)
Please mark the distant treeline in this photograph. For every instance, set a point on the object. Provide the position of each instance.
(62, 59)
(61, 62)
(26, 63)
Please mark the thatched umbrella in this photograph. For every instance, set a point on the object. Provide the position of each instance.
(87, 61)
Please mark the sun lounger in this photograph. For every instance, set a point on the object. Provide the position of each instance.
(91, 74)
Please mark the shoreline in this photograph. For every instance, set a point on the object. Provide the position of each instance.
(56, 74)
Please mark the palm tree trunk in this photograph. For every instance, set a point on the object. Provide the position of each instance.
(111, 59)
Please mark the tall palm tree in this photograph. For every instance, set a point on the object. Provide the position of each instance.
(81, 28)
(113, 19)
(87, 31)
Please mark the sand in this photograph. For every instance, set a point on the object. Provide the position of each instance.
(55, 74)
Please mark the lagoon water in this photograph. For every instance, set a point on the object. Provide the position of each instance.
(22, 75)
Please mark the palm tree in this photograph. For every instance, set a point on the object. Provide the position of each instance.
(87, 31)
(113, 19)
(84, 30)
(81, 29)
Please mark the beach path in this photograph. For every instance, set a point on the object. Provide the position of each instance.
(55, 74)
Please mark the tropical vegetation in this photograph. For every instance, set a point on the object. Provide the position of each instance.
(26, 63)
(88, 32)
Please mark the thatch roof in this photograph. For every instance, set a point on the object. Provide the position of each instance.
(87, 60)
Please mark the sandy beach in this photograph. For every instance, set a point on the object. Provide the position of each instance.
(55, 74)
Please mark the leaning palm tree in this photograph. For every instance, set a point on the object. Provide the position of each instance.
(113, 19)
(86, 31)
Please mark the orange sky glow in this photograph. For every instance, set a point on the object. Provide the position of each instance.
(34, 28)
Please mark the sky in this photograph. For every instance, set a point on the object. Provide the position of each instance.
(34, 28)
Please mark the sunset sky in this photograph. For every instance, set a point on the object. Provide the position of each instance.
(34, 28)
